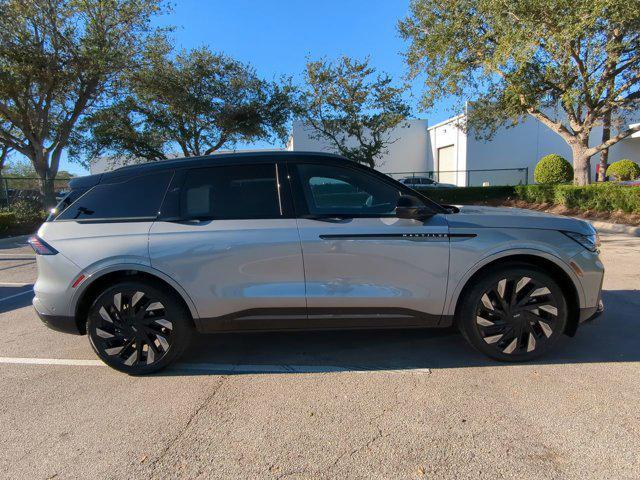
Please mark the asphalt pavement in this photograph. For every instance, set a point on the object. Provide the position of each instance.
(374, 405)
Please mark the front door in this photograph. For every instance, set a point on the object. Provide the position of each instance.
(362, 264)
(233, 245)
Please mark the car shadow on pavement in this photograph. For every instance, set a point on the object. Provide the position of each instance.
(613, 337)
(14, 297)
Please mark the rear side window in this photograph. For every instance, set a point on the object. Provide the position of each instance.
(231, 192)
(136, 198)
(68, 200)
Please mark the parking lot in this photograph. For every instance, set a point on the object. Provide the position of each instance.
(390, 404)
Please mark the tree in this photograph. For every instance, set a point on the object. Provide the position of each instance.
(59, 59)
(198, 102)
(567, 63)
(350, 105)
(4, 155)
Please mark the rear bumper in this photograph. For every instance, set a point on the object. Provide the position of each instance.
(59, 323)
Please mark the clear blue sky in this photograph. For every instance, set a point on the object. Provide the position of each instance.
(276, 36)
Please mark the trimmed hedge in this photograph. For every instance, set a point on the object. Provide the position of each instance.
(462, 195)
(7, 220)
(599, 197)
(607, 197)
(553, 169)
(624, 170)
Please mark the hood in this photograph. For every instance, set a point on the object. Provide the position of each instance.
(471, 216)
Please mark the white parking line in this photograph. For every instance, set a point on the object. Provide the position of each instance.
(51, 361)
(222, 367)
(16, 295)
(16, 284)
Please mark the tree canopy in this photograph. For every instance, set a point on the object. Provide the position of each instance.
(59, 59)
(194, 103)
(353, 107)
(567, 63)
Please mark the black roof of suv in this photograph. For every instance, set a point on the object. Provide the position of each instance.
(203, 161)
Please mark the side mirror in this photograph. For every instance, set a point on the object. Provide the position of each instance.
(410, 207)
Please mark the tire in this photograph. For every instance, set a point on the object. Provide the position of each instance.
(514, 313)
(138, 328)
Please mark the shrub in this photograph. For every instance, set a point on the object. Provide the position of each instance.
(26, 213)
(624, 170)
(599, 197)
(465, 195)
(7, 220)
(553, 169)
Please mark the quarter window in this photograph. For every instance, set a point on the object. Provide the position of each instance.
(231, 192)
(133, 198)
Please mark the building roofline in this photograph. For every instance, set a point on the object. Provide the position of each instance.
(447, 121)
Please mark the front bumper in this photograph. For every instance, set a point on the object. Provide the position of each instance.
(591, 313)
(59, 323)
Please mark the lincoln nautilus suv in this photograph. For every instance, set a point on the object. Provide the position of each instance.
(141, 257)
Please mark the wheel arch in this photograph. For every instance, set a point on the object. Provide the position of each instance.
(560, 272)
(98, 281)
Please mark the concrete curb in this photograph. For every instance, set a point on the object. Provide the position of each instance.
(606, 227)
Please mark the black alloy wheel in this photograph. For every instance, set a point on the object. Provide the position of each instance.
(137, 328)
(515, 314)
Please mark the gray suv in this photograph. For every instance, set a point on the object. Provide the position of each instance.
(140, 257)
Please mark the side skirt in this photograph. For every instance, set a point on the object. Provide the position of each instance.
(294, 319)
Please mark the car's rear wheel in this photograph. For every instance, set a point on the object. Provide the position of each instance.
(138, 328)
(513, 313)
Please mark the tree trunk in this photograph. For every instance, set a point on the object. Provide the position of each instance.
(604, 154)
(4, 201)
(581, 162)
(48, 192)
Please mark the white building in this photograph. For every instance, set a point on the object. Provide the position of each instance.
(449, 154)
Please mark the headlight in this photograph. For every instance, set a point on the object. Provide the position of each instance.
(591, 242)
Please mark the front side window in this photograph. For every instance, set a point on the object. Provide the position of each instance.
(231, 192)
(135, 198)
(334, 190)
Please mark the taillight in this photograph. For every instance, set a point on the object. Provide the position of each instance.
(40, 246)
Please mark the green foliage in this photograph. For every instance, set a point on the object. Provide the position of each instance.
(568, 63)
(352, 107)
(553, 169)
(199, 101)
(599, 197)
(60, 59)
(465, 195)
(7, 220)
(624, 170)
(25, 213)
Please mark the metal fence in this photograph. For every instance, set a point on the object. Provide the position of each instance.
(14, 189)
(470, 178)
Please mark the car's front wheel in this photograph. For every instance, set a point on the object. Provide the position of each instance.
(513, 313)
(138, 328)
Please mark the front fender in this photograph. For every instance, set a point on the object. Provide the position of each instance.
(458, 284)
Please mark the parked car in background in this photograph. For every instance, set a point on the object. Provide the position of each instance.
(424, 182)
(140, 257)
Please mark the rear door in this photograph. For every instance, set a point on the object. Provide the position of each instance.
(363, 265)
(228, 236)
